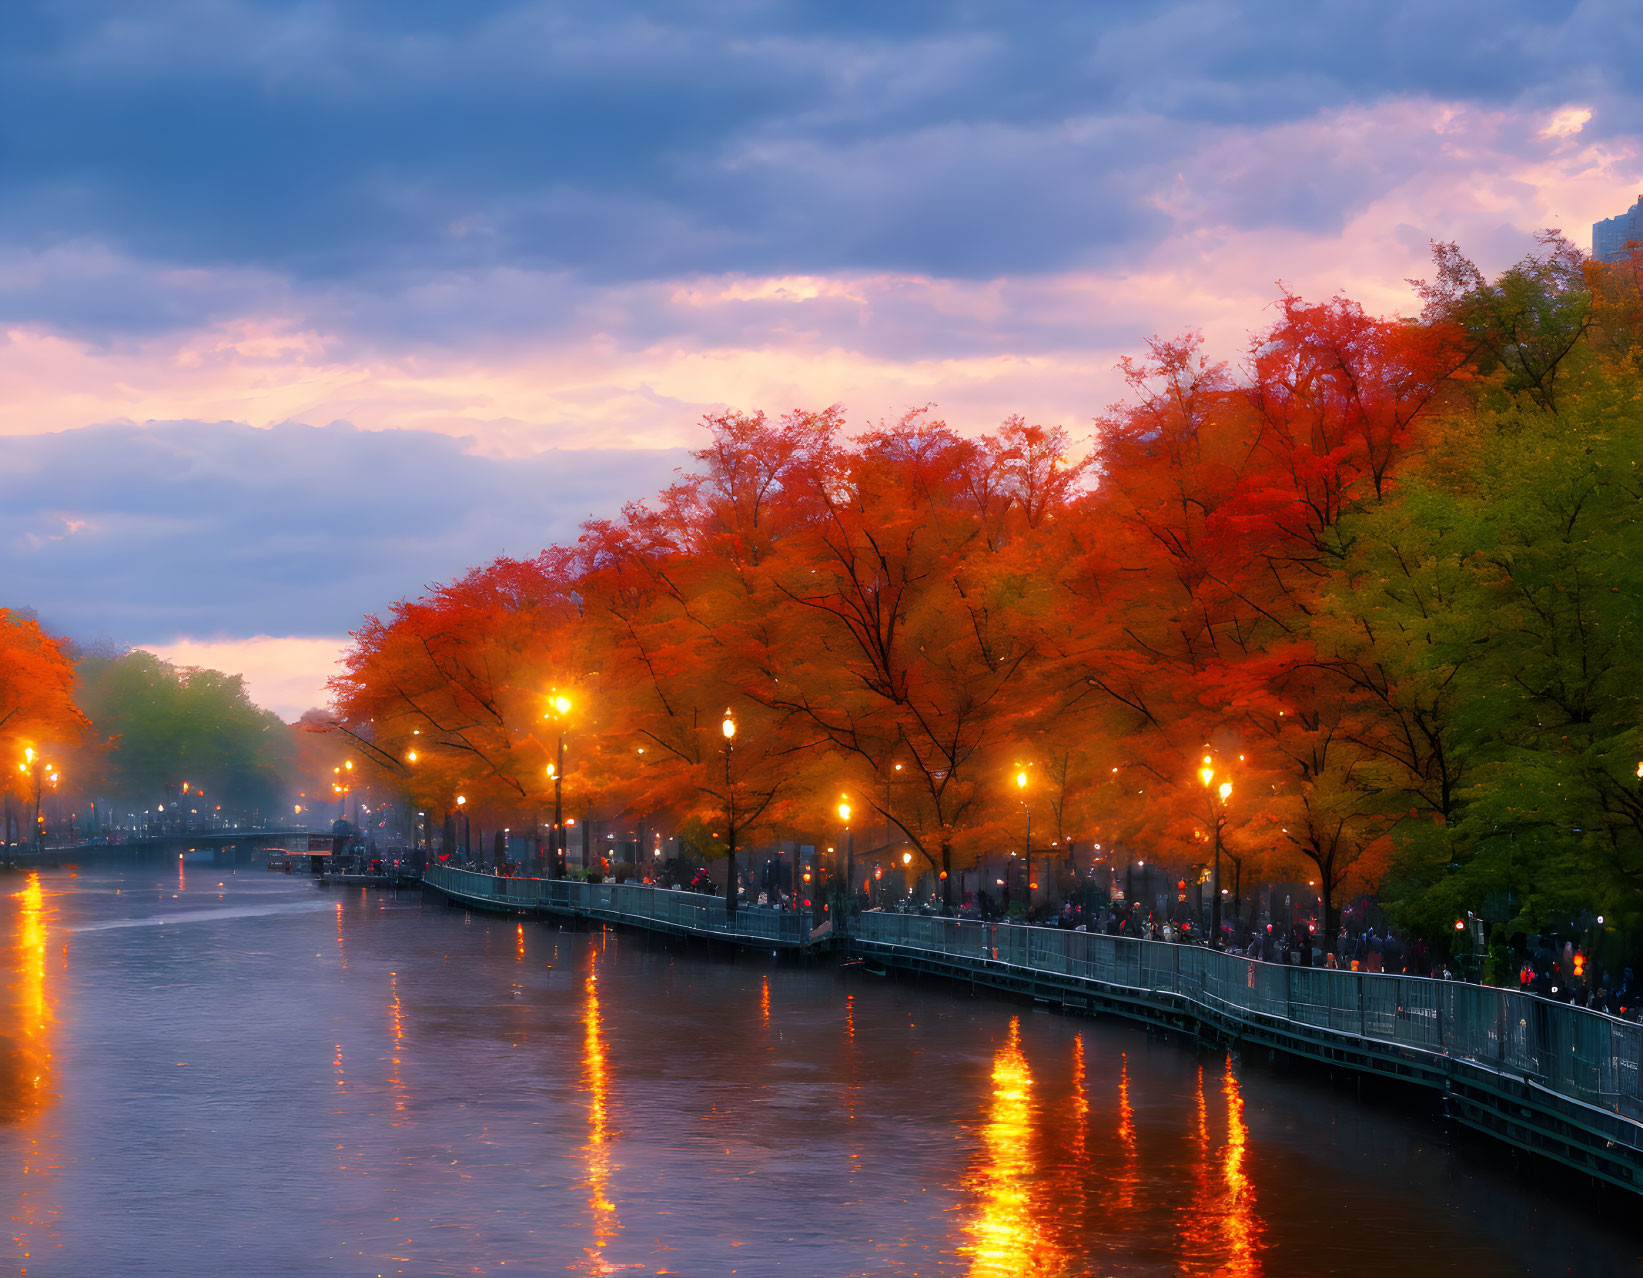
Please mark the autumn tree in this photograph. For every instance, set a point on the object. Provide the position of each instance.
(909, 606)
(677, 604)
(452, 694)
(38, 712)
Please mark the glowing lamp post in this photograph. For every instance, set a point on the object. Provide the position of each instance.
(1218, 816)
(556, 772)
(38, 771)
(728, 728)
(1021, 785)
(849, 856)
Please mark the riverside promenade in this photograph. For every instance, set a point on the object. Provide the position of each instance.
(632, 904)
(1545, 1077)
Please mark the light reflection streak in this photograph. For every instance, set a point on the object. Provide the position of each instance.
(1075, 1175)
(1197, 1239)
(764, 1002)
(1005, 1239)
(25, 1087)
(601, 1210)
(1128, 1174)
(852, 1084)
(396, 1025)
(519, 944)
(342, 954)
(1240, 1226)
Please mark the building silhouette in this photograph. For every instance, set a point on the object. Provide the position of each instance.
(1612, 234)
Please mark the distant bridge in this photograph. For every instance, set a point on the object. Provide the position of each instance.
(187, 840)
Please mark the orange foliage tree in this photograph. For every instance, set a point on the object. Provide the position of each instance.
(39, 721)
(912, 616)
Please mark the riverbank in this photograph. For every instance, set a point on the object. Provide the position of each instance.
(1545, 1078)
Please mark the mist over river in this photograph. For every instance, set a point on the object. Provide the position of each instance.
(211, 1069)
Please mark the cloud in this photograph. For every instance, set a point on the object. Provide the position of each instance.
(283, 674)
(306, 305)
(144, 534)
(520, 360)
(383, 146)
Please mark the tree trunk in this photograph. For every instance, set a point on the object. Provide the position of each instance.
(1330, 922)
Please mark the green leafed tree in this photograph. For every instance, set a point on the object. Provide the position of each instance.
(166, 725)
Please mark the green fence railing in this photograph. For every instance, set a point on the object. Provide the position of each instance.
(626, 903)
(1575, 1052)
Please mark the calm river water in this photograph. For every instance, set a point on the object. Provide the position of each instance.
(210, 1069)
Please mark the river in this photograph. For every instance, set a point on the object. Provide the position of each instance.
(211, 1069)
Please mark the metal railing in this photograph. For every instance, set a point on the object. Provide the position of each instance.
(1572, 1051)
(626, 903)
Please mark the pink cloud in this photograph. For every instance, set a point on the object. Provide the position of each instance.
(284, 674)
(644, 361)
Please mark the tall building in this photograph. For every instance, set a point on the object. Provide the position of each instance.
(1612, 234)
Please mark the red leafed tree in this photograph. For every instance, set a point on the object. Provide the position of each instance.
(1204, 560)
(678, 606)
(463, 679)
(37, 709)
(909, 603)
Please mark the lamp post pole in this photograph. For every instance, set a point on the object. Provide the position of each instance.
(1217, 815)
(849, 865)
(558, 871)
(558, 708)
(1021, 784)
(728, 727)
(39, 829)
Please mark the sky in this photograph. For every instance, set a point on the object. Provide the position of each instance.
(307, 306)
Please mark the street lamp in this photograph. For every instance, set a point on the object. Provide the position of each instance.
(556, 771)
(1217, 813)
(32, 767)
(1021, 785)
(728, 727)
(467, 827)
(849, 856)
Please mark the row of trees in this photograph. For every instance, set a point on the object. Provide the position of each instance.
(1381, 578)
(123, 732)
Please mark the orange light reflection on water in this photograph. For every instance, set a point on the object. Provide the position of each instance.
(26, 1070)
(852, 1084)
(764, 1002)
(396, 1024)
(1005, 1239)
(1198, 1229)
(1240, 1225)
(1127, 1176)
(601, 1211)
(1074, 1176)
(519, 944)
